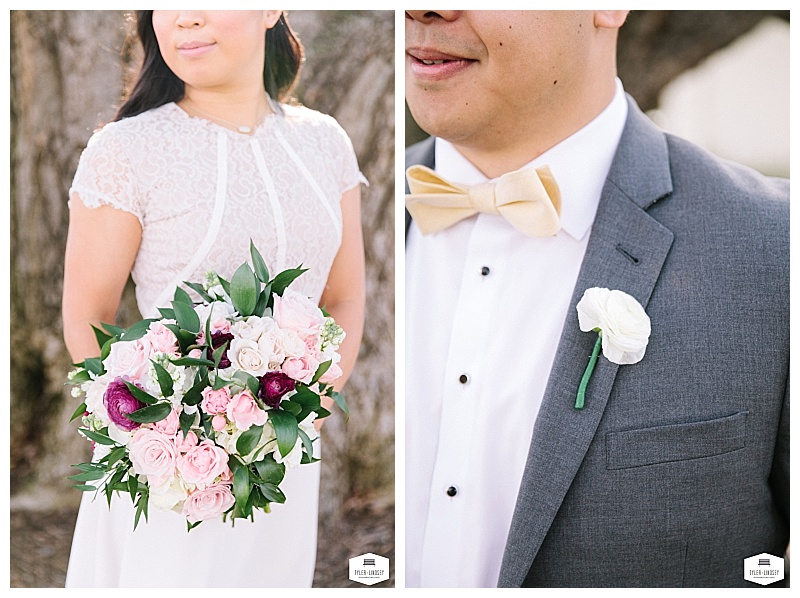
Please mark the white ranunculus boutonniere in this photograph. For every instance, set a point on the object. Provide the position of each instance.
(622, 325)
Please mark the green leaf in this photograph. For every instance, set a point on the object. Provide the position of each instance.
(258, 264)
(195, 394)
(226, 286)
(244, 290)
(151, 414)
(96, 436)
(167, 313)
(250, 382)
(263, 301)
(272, 493)
(186, 420)
(182, 296)
(218, 353)
(112, 330)
(78, 412)
(84, 488)
(323, 367)
(185, 338)
(164, 379)
(142, 395)
(285, 278)
(133, 487)
(93, 365)
(307, 444)
(198, 288)
(292, 407)
(192, 361)
(186, 317)
(138, 330)
(269, 470)
(105, 350)
(241, 488)
(79, 377)
(141, 508)
(248, 441)
(115, 456)
(285, 426)
(339, 399)
(101, 336)
(90, 466)
(87, 476)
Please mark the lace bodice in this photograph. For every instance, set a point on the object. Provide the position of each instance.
(201, 192)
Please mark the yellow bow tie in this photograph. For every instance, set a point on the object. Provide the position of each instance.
(529, 199)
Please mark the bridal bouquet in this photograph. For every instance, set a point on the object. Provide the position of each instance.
(203, 410)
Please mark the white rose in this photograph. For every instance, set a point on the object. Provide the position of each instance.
(169, 495)
(246, 355)
(252, 328)
(218, 311)
(621, 320)
(95, 391)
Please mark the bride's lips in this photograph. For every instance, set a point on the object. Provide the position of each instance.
(194, 48)
(433, 65)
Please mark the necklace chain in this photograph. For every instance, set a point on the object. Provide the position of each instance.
(243, 129)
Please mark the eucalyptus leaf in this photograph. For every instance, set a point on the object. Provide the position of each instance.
(281, 282)
(138, 330)
(96, 436)
(167, 313)
(78, 412)
(150, 414)
(248, 441)
(165, 381)
(259, 265)
(186, 317)
(182, 296)
(285, 426)
(140, 394)
(244, 290)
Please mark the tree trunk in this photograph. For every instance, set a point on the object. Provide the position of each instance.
(65, 78)
(354, 83)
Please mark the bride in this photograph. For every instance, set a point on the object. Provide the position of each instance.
(202, 157)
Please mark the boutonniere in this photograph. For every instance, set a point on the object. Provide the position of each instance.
(622, 326)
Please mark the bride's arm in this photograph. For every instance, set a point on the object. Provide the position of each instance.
(343, 297)
(101, 247)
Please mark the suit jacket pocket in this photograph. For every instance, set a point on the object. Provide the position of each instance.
(677, 442)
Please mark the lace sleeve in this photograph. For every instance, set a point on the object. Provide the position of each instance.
(105, 175)
(348, 172)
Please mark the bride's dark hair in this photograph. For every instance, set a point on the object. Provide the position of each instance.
(157, 85)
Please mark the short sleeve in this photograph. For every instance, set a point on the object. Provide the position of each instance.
(349, 175)
(105, 175)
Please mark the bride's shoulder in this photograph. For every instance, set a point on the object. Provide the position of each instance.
(312, 122)
(133, 130)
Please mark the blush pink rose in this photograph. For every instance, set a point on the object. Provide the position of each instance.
(333, 373)
(153, 454)
(201, 464)
(183, 444)
(244, 411)
(218, 422)
(215, 401)
(208, 503)
(301, 369)
(295, 311)
(169, 425)
(129, 358)
(161, 339)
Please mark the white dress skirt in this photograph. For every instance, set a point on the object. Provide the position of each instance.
(201, 192)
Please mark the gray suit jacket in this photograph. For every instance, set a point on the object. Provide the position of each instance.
(678, 467)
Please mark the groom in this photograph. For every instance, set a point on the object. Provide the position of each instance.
(677, 467)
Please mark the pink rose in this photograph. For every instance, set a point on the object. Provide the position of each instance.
(215, 401)
(153, 454)
(208, 503)
(201, 464)
(129, 358)
(334, 372)
(244, 411)
(162, 339)
(218, 422)
(301, 369)
(183, 444)
(169, 425)
(297, 312)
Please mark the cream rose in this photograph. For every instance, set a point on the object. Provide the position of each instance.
(246, 355)
(621, 321)
(153, 454)
(129, 358)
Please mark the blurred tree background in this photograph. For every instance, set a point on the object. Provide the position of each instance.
(68, 73)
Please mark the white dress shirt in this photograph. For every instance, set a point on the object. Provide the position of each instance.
(485, 307)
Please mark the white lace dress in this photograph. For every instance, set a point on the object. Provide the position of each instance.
(201, 192)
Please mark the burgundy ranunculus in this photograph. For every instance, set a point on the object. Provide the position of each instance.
(273, 385)
(119, 401)
(217, 340)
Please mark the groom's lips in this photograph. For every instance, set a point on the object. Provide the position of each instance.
(433, 65)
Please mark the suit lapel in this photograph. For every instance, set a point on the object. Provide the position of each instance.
(626, 251)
